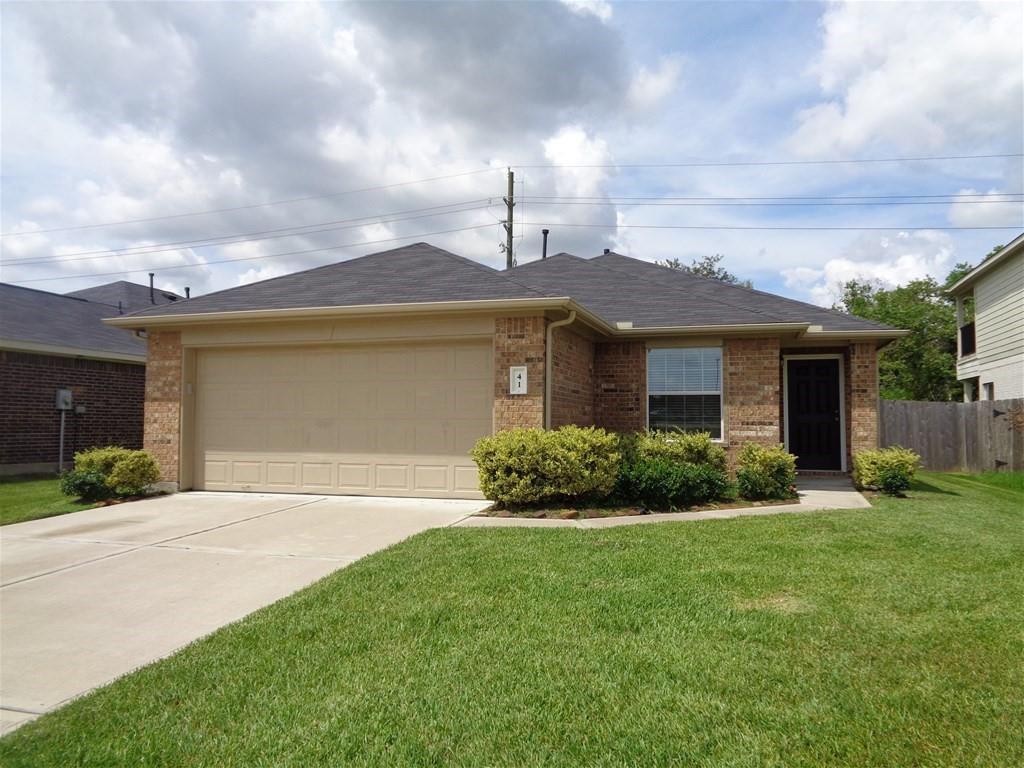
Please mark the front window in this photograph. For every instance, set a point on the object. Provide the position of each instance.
(684, 389)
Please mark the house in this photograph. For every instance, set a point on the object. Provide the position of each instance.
(990, 316)
(51, 342)
(377, 375)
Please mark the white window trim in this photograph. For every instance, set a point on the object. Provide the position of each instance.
(720, 392)
(843, 446)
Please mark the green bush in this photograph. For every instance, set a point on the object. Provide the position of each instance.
(133, 473)
(100, 460)
(681, 447)
(85, 484)
(889, 470)
(102, 473)
(662, 483)
(532, 466)
(766, 472)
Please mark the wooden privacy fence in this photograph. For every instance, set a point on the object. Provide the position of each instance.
(974, 437)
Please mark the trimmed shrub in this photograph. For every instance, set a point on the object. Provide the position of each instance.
(100, 460)
(85, 485)
(889, 470)
(133, 473)
(681, 447)
(662, 483)
(532, 466)
(766, 472)
(102, 473)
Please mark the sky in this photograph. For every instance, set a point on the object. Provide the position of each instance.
(293, 135)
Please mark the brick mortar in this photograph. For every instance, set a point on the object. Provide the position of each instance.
(112, 393)
(572, 379)
(163, 402)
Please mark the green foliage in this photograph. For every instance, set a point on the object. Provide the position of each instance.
(101, 473)
(100, 460)
(889, 470)
(922, 365)
(659, 482)
(531, 466)
(684, 447)
(766, 472)
(133, 474)
(709, 267)
(85, 484)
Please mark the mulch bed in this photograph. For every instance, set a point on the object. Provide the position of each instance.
(589, 513)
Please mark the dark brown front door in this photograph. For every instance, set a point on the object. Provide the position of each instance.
(813, 410)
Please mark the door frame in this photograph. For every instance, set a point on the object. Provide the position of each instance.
(841, 383)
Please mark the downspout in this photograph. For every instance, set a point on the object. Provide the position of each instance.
(547, 364)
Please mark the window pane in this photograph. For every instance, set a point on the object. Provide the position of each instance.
(684, 370)
(689, 413)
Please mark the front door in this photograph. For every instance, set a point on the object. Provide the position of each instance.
(814, 427)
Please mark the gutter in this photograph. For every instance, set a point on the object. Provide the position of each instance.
(358, 310)
(621, 330)
(62, 351)
(548, 356)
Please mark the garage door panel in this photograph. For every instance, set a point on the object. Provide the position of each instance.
(386, 420)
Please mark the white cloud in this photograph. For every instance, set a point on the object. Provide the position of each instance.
(571, 145)
(916, 76)
(988, 210)
(602, 9)
(650, 86)
(888, 261)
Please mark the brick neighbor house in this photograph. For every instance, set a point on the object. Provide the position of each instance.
(377, 375)
(50, 342)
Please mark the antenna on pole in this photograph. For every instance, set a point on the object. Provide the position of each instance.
(510, 203)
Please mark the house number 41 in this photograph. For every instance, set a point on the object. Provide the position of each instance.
(517, 380)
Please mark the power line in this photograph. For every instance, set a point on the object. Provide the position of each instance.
(362, 221)
(772, 204)
(727, 227)
(252, 205)
(722, 164)
(954, 195)
(254, 258)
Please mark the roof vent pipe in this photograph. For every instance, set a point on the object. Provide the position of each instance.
(120, 309)
(187, 292)
(607, 250)
(152, 298)
(544, 250)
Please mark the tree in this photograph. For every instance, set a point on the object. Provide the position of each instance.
(707, 266)
(922, 365)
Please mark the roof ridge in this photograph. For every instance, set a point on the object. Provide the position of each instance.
(490, 270)
(53, 293)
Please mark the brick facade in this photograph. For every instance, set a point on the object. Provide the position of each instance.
(112, 393)
(519, 341)
(572, 379)
(620, 385)
(752, 386)
(163, 402)
(862, 397)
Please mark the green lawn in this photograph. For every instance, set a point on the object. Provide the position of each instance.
(33, 496)
(882, 637)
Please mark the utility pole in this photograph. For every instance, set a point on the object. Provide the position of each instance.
(510, 203)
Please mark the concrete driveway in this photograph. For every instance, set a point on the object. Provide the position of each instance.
(89, 596)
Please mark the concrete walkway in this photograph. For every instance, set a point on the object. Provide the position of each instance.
(815, 493)
(89, 596)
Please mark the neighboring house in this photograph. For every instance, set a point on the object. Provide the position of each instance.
(377, 375)
(990, 316)
(50, 342)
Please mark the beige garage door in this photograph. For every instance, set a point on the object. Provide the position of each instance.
(388, 420)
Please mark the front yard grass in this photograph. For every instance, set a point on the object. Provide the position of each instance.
(888, 636)
(30, 497)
